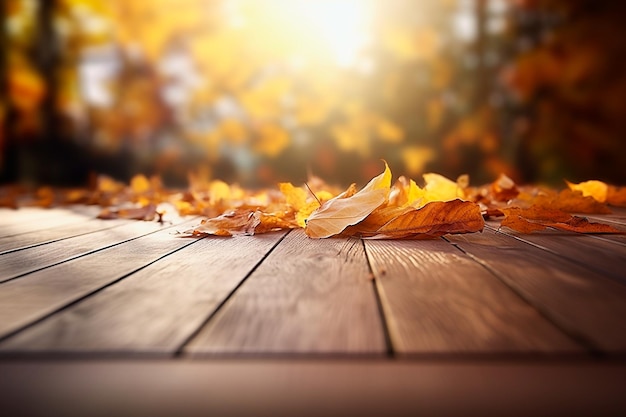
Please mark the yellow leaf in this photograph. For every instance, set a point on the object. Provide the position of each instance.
(219, 191)
(596, 189)
(140, 184)
(296, 197)
(440, 188)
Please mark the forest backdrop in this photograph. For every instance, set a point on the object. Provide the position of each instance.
(271, 90)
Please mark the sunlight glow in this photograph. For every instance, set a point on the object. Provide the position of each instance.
(336, 29)
(341, 24)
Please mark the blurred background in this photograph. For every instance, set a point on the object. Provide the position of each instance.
(260, 91)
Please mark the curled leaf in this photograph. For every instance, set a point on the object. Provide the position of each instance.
(235, 222)
(435, 219)
(345, 210)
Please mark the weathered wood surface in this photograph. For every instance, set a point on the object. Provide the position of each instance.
(41, 293)
(126, 287)
(29, 219)
(588, 306)
(308, 296)
(597, 254)
(20, 263)
(154, 310)
(488, 323)
(437, 299)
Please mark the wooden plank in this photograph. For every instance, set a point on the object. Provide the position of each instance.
(16, 264)
(312, 388)
(39, 237)
(25, 220)
(309, 296)
(597, 255)
(587, 305)
(152, 311)
(26, 300)
(436, 300)
(22, 214)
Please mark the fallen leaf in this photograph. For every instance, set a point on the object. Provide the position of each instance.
(345, 210)
(616, 196)
(503, 189)
(435, 219)
(147, 213)
(538, 218)
(571, 201)
(235, 222)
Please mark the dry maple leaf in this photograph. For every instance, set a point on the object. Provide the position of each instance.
(435, 219)
(345, 210)
(235, 222)
(537, 218)
(570, 201)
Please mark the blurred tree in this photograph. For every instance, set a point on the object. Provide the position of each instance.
(569, 79)
(261, 91)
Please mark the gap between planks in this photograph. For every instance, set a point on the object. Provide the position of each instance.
(586, 305)
(19, 264)
(151, 311)
(439, 301)
(42, 294)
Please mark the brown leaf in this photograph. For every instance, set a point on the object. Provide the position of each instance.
(433, 220)
(571, 201)
(235, 222)
(503, 189)
(147, 213)
(538, 218)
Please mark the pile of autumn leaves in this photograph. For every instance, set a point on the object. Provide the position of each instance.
(381, 210)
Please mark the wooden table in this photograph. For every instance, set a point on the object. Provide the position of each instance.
(125, 317)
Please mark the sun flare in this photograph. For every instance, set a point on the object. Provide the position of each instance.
(337, 30)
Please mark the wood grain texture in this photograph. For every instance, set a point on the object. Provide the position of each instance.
(31, 219)
(15, 264)
(437, 300)
(38, 237)
(584, 303)
(36, 295)
(309, 296)
(153, 310)
(598, 255)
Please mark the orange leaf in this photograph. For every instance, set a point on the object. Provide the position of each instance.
(503, 189)
(433, 220)
(616, 196)
(596, 189)
(537, 218)
(572, 201)
(235, 222)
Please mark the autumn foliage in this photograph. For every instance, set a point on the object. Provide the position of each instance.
(382, 209)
